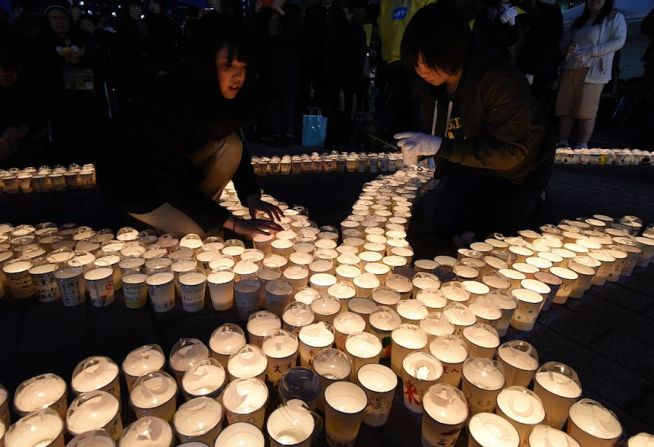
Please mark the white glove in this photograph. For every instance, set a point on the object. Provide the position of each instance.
(530, 78)
(509, 15)
(417, 144)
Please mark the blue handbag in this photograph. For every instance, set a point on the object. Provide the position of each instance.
(314, 128)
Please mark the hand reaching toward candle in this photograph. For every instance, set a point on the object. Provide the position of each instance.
(419, 144)
(255, 204)
(249, 228)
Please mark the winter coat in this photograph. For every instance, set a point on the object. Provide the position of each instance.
(541, 54)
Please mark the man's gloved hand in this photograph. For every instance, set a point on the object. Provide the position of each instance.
(419, 144)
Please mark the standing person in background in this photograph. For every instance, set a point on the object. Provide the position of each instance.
(589, 48)
(165, 37)
(278, 30)
(644, 109)
(541, 55)
(496, 25)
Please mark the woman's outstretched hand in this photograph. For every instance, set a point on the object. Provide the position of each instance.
(251, 227)
(255, 204)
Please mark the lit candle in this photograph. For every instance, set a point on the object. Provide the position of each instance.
(96, 410)
(420, 371)
(282, 247)
(96, 373)
(345, 324)
(277, 296)
(522, 408)
(313, 338)
(545, 436)
(245, 401)
(400, 284)
(379, 383)
(40, 428)
(98, 438)
(345, 403)
(307, 295)
(558, 387)
(161, 289)
(384, 296)
(246, 296)
(460, 316)
(259, 324)
(519, 360)
(18, 279)
(445, 411)
(412, 311)
(322, 282)
(406, 338)
(593, 425)
(240, 435)
(184, 353)
(141, 361)
(455, 292)
(221, 289)
(43, 391)
(342, 292)
(491, 430)
(529, 304)
(383, 322)
(245, 270)
(482, 340)
(204, 378)
(281, 348)
(325, 308)
(224, 341)
(297, 315)
(426, 265)
(297, 276)
(640, 440)
(262, 242)
(465, 272)
(513, 276)
(193, 288)
(199, 420)
(247, 362)
(483, 379)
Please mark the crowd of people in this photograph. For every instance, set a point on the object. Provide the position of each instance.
(64, 74)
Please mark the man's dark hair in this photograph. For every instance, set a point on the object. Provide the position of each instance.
(583, 18)
(440, 34)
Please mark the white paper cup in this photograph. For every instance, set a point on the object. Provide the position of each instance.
(345, 404)
(245, 401)
(18, 279)
(379, 383)
(199, 420)
(240, 434)
(45, 284)
(135, 290)
(529, 306)
(593, 425)
(291, 425)
(100, 285)
(420, 371)
(482, 381)
(488, 430)
(522, 408)
(161, 289)
(558, 387)
(446, 411)
(154, 394)
(41, 428)
(193, 286)
(95, 410)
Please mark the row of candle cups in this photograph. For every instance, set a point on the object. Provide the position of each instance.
(325, 163)
(598, 156)
(44, 179)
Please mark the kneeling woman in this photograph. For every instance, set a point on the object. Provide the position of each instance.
(173, 153)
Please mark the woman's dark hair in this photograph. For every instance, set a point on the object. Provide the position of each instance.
(440, 34)
(583, 18)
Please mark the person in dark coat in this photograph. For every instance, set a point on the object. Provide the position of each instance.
(541, 55)
(497, 26)
(278, 29)
(70, 73)
(172, 155)
(324, 46)
(491, 148)
(165, 37)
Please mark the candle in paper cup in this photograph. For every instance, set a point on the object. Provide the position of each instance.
(205, 378)
(95, 410)
(646, 246)
(322, 282)
(199, 420)
(593, 425)
(465, 272)
(345, 324)
(363, 348)
(347, 273)
(604, 270)
(325, 308)
(96, 373)
(379, 384)
(445, 412)
(222, 263)
(553, 283)
(240, 434)
(193, 288)
(483, 379)
(277, 296)
(245, 401)
(620, 259)
(281, 348)
(42, 428)
(585, 276)
(135, 290)
(313, 338)
(184, 353)
(486, 310)
(274, 261)
(362, 306)
(233, 248)
(633, 254)
(141, 361)
(222, 289)
(247, 362)
(491, 430)
(435, 324)
(245, 296)
(513, 276)
(292, 424)
(245, 270)
(482, 340)
(383, 322)
(425, 265)
(100, 285)
(519, 360)
(401, 285)
(365, 284)
(522, 408)
(545, 436)
(476, 288)
(384, 296)
(297, 315)
(424, 281)
(161, 289)
(282, 247)
(508, 305)
(529, 304)
(460, 316)
(44, 282)
(224, 341)
(558, 387)
(420, 371)
(42, 391)
(641, 440)
(18, 279)
(406, 338)
(342, 292)
(154, 394)
(95, 438)
(297, 276)
(345, 404)
(307, 295)
(455, 292)
(263, 242)
(259, 324)
(82, 259)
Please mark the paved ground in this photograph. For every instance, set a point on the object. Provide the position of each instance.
(608, 336)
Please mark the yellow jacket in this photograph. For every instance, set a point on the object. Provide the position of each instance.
(394, 16)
